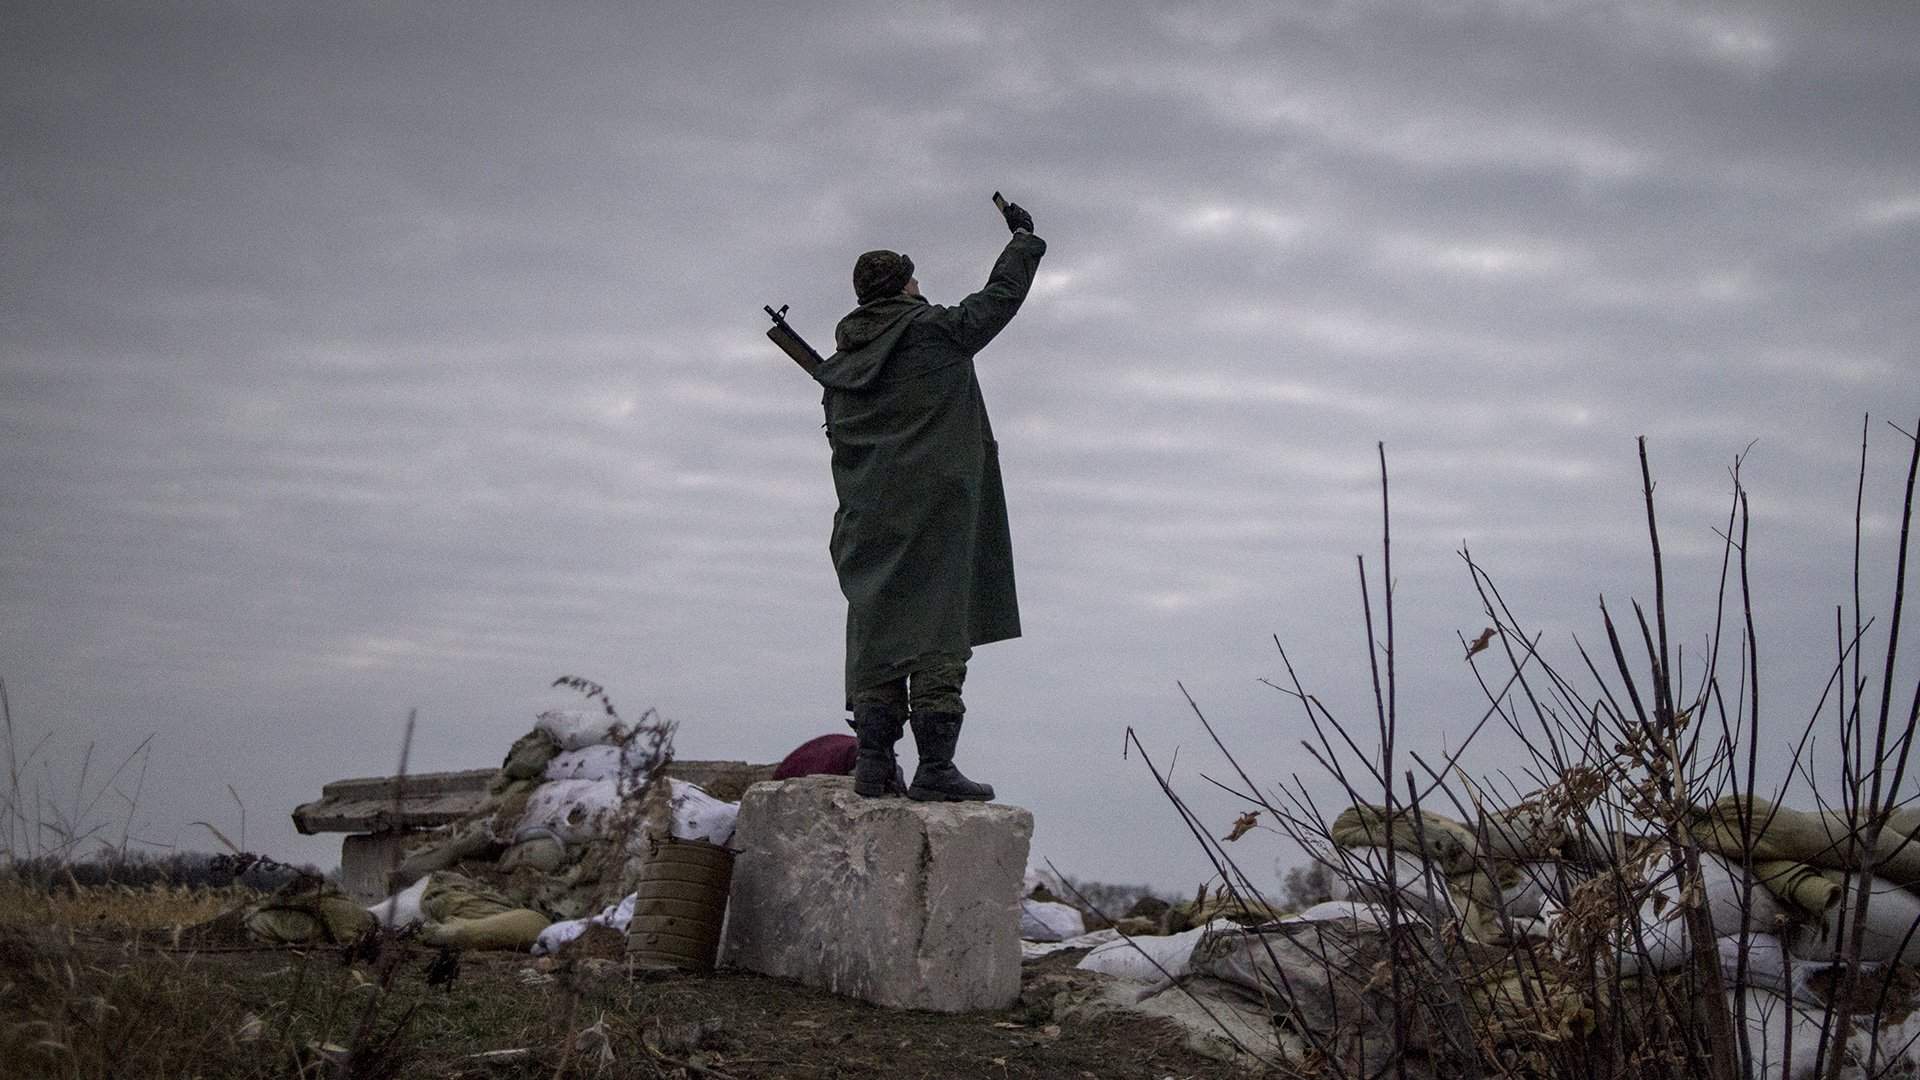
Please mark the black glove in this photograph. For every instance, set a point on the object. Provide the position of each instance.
(1017, 218)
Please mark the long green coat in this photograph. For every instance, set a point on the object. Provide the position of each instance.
(920, 540)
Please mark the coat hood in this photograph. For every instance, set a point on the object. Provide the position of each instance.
(865, 338)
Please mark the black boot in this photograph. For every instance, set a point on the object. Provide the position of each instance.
(875, 772)
(937, 780)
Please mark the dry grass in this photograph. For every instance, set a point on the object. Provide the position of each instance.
(115, 907)
(87, 1002)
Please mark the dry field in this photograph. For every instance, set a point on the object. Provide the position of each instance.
(96, 982)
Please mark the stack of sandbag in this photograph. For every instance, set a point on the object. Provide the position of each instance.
(1801, 898)
(1441, 869)
(670, 808)
(546, 837)
(1491, 879)
(450, 909)
(1808, 860)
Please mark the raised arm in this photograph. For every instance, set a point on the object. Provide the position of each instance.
(974, 321)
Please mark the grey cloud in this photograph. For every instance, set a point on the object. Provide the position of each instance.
(357, 358)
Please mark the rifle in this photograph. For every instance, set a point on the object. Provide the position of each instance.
(790, 341)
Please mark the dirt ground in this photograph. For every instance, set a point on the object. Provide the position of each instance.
(78, 1004)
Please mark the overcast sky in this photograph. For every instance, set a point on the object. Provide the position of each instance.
(356, 359)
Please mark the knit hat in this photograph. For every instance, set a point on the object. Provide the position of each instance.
(880, 274)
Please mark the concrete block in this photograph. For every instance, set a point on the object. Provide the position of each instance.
(364, 861)
(903, 904)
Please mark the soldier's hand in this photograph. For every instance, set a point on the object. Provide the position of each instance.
(1017, 218)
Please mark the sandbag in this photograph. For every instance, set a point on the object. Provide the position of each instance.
(1448, 847)
(1044, 921)
(1659, 941)
(1769, 1017)
(1361, 876)
(1804, 888)
(1821, 838)
(537, 850)
(526, 760)
(599, 762)
(1313, 978)
(464, 913)
(1529, 832)
(1769, 967)
(403, 907)
(468, 840)
(1525, 894)
(1444, 843)
(602, 761)
(1033, 950)
(618, 916)
(573, 810)
(1733, 905)
(305, 913)
(1148, 959)
(515, 929)
(575, 728)
(1039, 877)
(699, 816)
(1360, 912)
(1892, 925)
(449, 896)
(823, 755)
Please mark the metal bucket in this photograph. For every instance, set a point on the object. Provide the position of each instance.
(680, 899)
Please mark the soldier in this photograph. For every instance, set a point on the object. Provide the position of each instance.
(920, 540)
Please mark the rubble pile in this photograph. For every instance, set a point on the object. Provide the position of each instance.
(563, 830)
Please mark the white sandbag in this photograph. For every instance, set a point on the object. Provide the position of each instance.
(1892, 927)
(1661, 942)
(619, 916)
(558, 934)
(572, 810)
(1324, 960)
(1771, 966)
(1769, 1017)
(1043, 921)
(1148, 959)
(1653, 942)
(1364, 913)
(1766, 960)
(587, 763)
(1726, 890)
(600, 762)
(1038, 876)
(1362, 876)
(1034, 950)
(403, 907)
(1527, 898)
(575, 728)
(699, 816)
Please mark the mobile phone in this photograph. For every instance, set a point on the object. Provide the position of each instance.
(1000, 201)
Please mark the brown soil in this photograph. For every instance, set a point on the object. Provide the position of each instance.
(130, 1009)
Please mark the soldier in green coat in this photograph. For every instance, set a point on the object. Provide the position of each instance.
(920, 540)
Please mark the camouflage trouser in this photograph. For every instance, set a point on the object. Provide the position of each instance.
(933, 687)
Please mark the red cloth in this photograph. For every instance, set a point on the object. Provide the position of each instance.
(828, 755)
